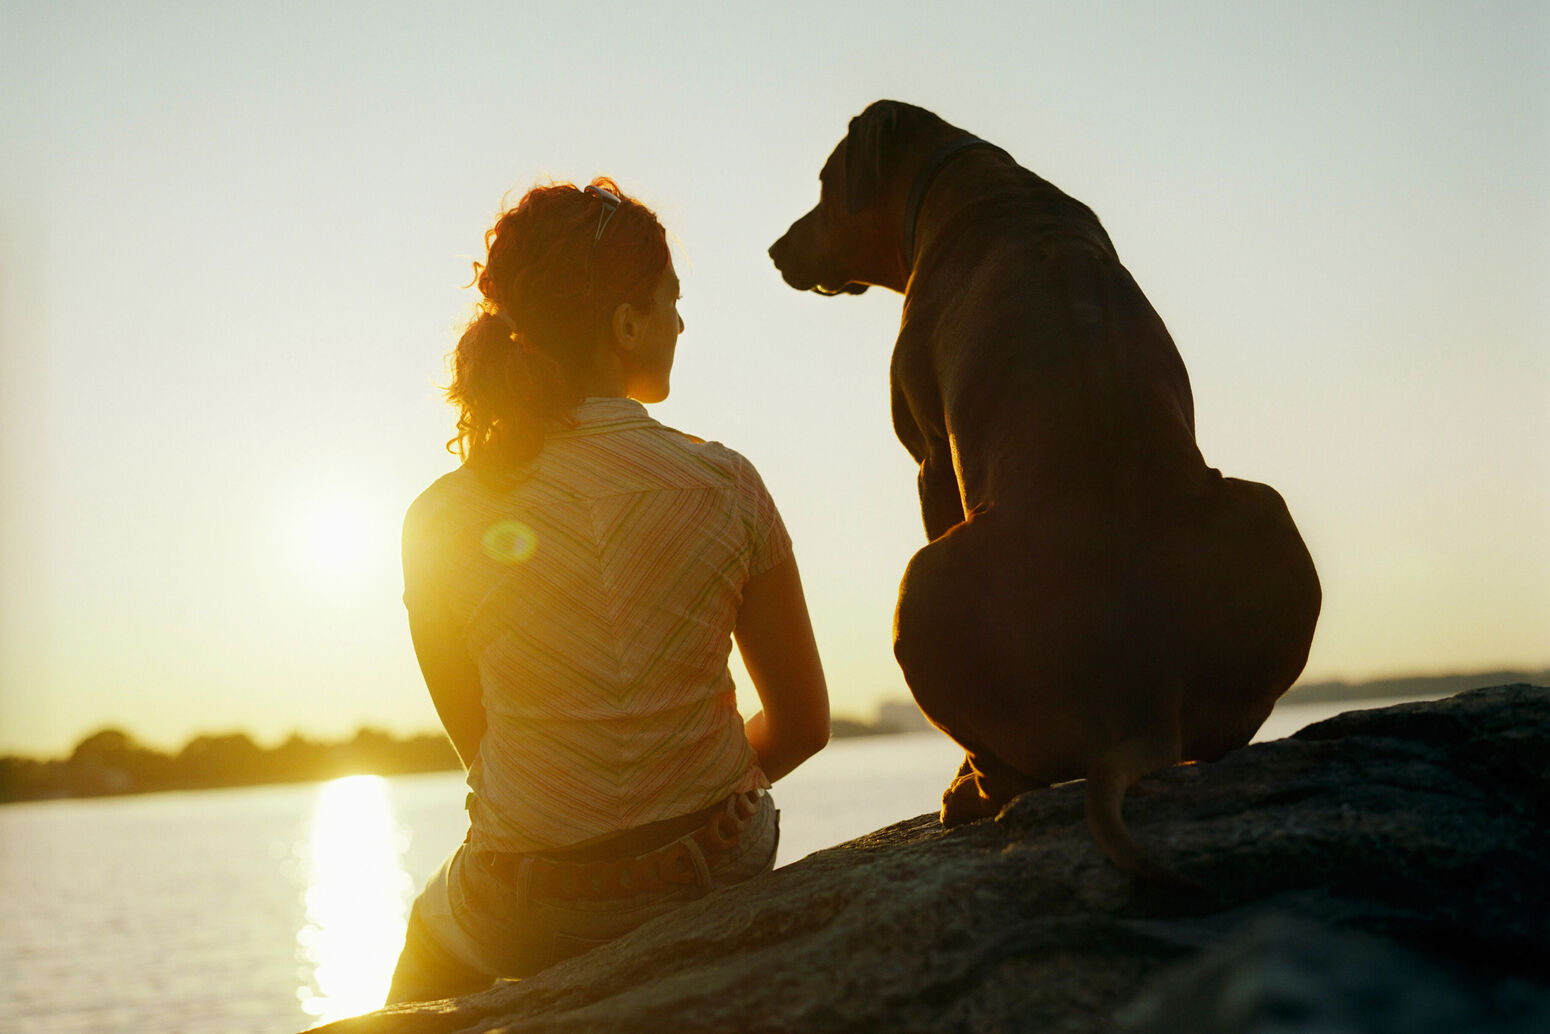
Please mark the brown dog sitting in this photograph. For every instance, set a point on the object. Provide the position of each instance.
(1094, 600)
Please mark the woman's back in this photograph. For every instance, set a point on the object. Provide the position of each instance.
(597, 594)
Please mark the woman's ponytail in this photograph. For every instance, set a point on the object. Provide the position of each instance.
(505, 389)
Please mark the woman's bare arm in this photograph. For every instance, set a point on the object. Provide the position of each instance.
(775, 636)
(453, 679)
(450, 673)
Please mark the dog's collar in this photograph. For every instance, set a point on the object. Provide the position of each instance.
(923, 178)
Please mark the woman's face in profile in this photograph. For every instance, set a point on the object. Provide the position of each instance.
(649, 367)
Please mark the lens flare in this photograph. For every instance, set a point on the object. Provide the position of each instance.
(357, 898)
(510, 542)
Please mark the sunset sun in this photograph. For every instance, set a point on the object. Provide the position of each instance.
(336, 536)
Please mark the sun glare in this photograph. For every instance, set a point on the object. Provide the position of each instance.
(337, 535)
(357, 900)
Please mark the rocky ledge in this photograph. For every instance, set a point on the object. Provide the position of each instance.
(1385, 870)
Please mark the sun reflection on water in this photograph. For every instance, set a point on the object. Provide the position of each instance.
(357, 900)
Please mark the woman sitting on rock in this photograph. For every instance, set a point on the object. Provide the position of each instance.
(573, 590)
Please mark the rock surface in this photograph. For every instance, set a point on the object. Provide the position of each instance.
(1383, 870)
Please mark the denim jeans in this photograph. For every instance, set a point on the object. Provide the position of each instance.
(471, 926)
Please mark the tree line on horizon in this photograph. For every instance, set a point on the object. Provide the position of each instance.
(111, 761)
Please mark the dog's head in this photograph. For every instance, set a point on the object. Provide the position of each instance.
(852, 238)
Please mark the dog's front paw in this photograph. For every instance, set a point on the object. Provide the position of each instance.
(963, 801)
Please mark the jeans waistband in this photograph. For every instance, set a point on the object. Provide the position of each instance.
(637, 860)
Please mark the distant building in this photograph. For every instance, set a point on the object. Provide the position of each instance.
(901, 716)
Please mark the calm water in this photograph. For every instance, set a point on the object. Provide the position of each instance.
(277, 908)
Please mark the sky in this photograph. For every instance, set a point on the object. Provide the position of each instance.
(235, 239)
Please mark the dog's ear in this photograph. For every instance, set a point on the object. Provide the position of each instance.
(875, 146)
(871, 150)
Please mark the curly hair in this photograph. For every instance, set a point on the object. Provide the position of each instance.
(549, 284)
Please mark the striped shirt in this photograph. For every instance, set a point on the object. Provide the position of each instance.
(597, 595)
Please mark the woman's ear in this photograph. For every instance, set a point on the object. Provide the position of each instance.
(626, 327)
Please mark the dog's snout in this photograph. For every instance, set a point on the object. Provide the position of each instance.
(804, 259)
(781, 251)
(787, 254)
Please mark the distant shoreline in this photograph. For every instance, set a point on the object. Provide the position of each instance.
(1409, 686)
(111, 762)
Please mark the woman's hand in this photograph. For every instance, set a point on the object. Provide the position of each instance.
(775, 636)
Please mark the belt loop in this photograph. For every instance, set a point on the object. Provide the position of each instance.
(701, 867)
(524, 880)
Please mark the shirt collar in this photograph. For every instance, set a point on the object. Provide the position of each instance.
(597, 414)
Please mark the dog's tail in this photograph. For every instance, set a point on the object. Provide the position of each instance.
(1108, 779)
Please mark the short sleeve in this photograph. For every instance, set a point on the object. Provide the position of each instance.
(423, 552)
(768, 542)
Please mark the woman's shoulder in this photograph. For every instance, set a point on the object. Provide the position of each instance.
(441, 500)
(712, 453)
(734, 471)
